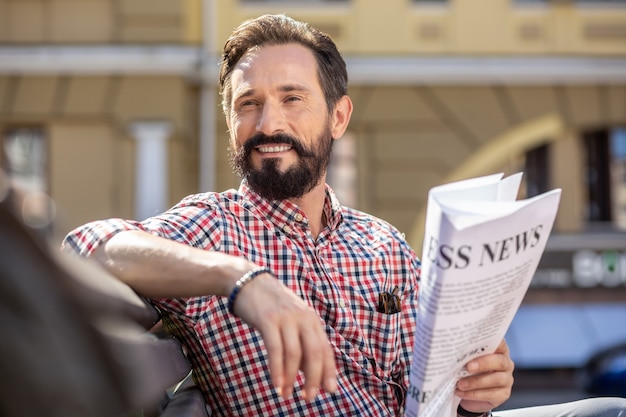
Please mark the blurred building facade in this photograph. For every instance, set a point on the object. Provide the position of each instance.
(117, 101)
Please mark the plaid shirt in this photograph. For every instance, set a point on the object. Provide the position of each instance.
(340, 275)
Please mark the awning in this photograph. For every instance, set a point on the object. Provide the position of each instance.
(564, 335)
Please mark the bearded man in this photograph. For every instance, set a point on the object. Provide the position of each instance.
(273, 288)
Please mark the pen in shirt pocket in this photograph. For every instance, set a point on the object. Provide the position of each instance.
(389, 302)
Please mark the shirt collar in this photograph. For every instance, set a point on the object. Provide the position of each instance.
(281, 212)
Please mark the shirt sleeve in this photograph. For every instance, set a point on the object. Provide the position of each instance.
(189, 222)
(192, 222)
(85, 239)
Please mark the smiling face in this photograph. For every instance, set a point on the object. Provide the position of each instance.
(280, 126)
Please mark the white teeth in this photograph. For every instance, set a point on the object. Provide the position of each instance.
(281, 148)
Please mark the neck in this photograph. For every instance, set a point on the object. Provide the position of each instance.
(312, 204)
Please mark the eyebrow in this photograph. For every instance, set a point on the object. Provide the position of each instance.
(293, 87)
(283, 88)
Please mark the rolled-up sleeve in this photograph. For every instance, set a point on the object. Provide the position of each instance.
(190, 222)
(85, 239)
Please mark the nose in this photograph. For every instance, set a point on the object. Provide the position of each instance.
(271, 119)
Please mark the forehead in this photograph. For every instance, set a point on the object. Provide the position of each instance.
(276, 65)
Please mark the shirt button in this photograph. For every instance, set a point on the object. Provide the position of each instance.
(286, 229)
(298, 217)
(342, 303)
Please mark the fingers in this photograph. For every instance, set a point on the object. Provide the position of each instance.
(503, 348)
(292, 358)
(293, 336)
(500, 360)
(274, 347)
(312, 364)
(318, 361)
(329, 374)
(306, 348)
(485, 391)
(476, 387)
(490, 381)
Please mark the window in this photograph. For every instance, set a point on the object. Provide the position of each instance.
(24, 158)
(606, 177)
(618, 176)
(536, 170)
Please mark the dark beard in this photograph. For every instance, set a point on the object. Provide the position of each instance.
(298, 180)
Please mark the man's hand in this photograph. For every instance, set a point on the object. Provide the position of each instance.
(292, 333)
(490, 382)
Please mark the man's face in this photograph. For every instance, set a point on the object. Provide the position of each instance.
(281, 135)
(269, 180)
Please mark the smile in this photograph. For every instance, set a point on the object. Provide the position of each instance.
(273, 149)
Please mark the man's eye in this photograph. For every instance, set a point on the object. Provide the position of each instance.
(293, 98)
(246, 105)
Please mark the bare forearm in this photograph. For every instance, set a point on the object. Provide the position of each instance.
(156, 267)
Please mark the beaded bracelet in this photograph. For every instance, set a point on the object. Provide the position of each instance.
(248, 276)
(463, 412)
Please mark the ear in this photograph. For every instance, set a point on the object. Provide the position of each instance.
(340, 117)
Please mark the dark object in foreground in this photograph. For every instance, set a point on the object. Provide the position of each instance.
(75, 340)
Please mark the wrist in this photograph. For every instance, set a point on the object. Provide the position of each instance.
(241, 282)
(464, 413)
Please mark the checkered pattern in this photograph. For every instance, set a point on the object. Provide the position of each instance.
(340, 275)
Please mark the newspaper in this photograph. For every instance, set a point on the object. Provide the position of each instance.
(481, 249)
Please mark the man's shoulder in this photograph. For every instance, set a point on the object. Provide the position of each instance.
(376, 233)
(360, 219)
(211, 198)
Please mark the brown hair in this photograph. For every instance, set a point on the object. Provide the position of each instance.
(279, 30)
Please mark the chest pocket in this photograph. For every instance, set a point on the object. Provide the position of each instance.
(383, 332)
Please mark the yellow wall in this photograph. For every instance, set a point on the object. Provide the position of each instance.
(91, 153)
(477, 27)
(493, 27)
(99, 21)
(409, 137)
(87, 175)
(414, 138)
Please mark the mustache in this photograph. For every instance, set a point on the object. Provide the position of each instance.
(260, 139)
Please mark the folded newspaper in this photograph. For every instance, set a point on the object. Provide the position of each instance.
(481, 249)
